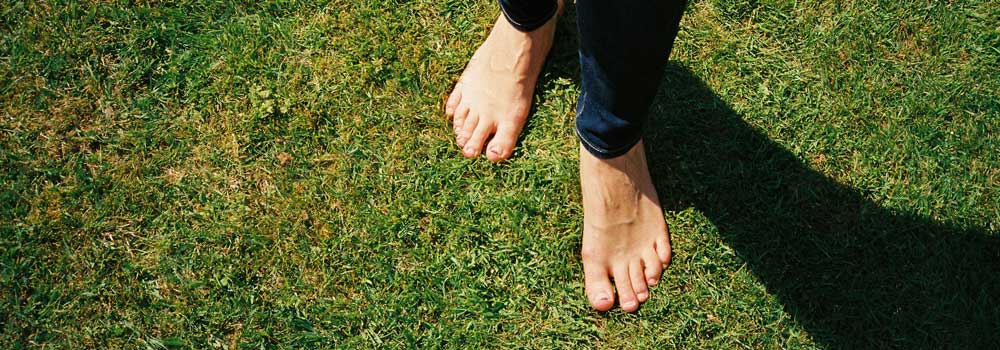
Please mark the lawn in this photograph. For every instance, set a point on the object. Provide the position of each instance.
(217, 174)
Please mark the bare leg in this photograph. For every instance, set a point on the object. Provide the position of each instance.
(624, 47)
(493, 96)
(624, 234)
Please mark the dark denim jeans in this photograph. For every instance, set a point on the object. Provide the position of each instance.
(528, 15)
(624, 46)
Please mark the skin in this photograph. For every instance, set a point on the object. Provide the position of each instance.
(492, 99)
(625, 236)
(625, 245)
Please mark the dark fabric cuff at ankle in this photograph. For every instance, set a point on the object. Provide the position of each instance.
(601, 132)
(601, 153)
(528, 15)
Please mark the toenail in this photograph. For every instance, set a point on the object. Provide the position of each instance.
(628, 304)
(651, 281)
(604, 297)
(642, 295)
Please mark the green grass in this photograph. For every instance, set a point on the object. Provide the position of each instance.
(278, 174)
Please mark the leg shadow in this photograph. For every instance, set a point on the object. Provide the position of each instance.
(854, 274)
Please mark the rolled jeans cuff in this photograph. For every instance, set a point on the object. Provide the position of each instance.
(527, 18)
(589, 124)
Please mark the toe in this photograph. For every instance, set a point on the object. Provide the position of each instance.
(653, 267)
(464, 131)
(502, 144)
(459, 119)
(638, 281)
(663, 250)
(598, 286)
(626, 297)
(474, 146)
(453, 99)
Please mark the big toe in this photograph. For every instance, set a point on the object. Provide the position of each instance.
(598, 287)
(502, 144)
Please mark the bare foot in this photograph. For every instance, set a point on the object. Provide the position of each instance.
(625, 237)
(493, 96)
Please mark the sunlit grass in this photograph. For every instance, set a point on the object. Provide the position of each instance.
(278, 174)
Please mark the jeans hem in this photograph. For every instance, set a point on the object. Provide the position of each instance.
(530, 26)
(599, 152)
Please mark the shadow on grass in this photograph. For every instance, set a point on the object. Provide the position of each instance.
(854, 274)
